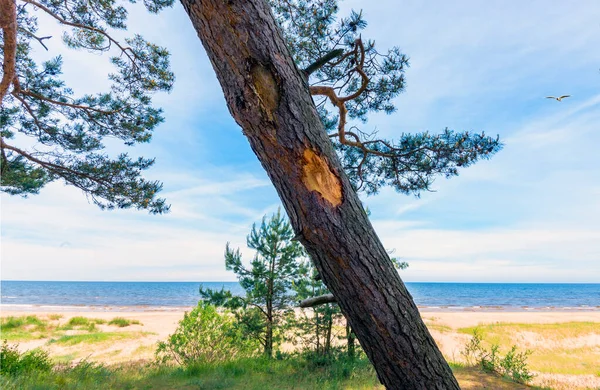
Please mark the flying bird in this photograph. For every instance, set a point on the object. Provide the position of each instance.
(558, 98)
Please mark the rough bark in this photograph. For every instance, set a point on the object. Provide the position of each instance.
(269, 98)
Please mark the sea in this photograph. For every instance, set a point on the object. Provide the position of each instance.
(149, 296)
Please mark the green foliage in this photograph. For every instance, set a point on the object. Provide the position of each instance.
(513, 364)
(267, 282)
(13, 362)
(324, 44)
(204, 336)
(313, 29)
(68, 128)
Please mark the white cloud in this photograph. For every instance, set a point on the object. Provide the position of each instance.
(127, 244)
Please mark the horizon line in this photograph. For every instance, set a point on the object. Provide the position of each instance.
(235, 281)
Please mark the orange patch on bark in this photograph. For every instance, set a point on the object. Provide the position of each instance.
(317, 176)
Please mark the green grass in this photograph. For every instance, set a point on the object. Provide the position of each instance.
(574, 361)
(76, 321)
(55, 317)
(85, 321)
(123, 322)
(95, 337)
(245, 374)
(22, 328)
(65, 359)
(10, 323)
(551, 331)
(27, 328)
(440, 328)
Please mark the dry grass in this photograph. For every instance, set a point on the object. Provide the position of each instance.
(565, 348)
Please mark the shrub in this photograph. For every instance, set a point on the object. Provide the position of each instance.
(204, 335)
(13, 362)
(123, 322)
(77, 321)
(10, 323)
(512, 365)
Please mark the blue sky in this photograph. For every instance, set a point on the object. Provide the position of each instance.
(530, 214)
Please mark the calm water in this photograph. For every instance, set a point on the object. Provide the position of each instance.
(155, 295)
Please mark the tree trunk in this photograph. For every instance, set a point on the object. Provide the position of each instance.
(269, 98)
(350, 340)
(327, 348)
(269, 339)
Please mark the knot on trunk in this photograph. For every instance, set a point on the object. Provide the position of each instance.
(266, 88)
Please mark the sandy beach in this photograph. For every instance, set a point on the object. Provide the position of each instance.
(138, 341)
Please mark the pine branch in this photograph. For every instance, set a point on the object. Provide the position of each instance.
(124, 50)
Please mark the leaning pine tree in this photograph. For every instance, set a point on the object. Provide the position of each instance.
(269, 79)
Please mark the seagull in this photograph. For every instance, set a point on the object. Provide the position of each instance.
(558, 98)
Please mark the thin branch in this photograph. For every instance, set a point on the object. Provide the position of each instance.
(72, 105)
(257, 306)
(85, 27)
(39, 39)
(30, 110)
(57, 169)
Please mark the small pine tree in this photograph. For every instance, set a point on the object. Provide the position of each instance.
(267, 282)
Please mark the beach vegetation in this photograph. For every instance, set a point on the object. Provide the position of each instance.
(23, 328)
(11, 323)
(77, 321)
(556, 348)
(290, 371)
(513, 364)
(55, 316)
(314, 329)
(267, 281)
(94, 337)
(505, 332)
(84, 321)
(14, 362)
(205, 335)
(123, 322)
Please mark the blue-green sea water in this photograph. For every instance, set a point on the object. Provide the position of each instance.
(165, 295)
